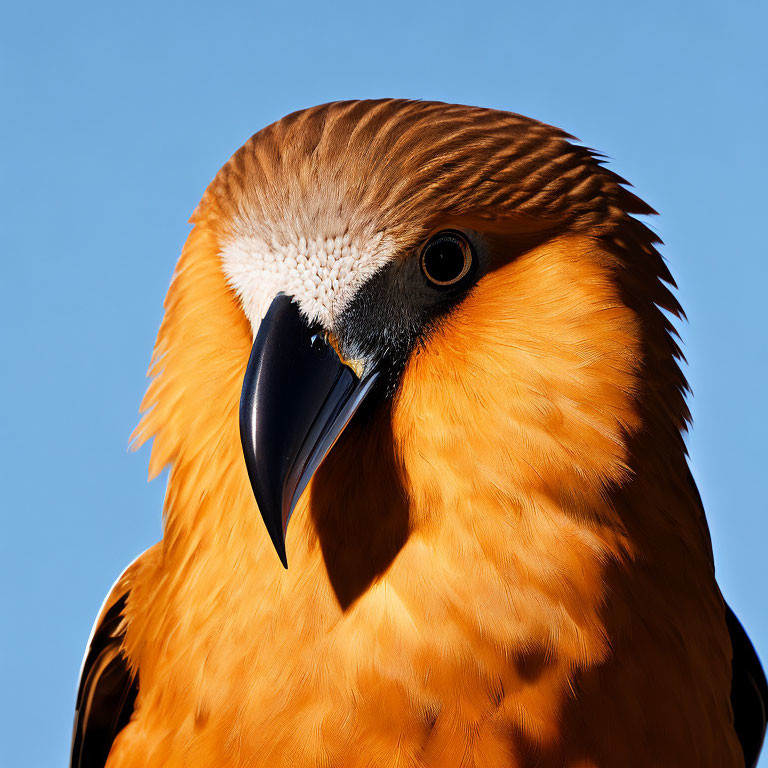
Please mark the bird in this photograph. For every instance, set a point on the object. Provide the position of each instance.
(438, 341)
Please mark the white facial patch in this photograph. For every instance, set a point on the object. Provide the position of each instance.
(321, 273)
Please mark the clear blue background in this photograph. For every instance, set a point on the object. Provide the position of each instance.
(116, 115)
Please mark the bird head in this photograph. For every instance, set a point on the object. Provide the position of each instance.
(471, 277)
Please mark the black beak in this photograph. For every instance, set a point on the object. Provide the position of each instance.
(297, 398)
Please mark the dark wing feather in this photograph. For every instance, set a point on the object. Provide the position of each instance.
(749, 692)
(107, 692)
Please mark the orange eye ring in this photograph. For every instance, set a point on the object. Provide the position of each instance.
(447, 258)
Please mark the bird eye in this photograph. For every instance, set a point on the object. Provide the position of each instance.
(447, 258)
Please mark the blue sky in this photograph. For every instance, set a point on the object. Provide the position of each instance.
(116, 116)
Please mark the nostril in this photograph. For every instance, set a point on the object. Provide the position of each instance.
(317, 341)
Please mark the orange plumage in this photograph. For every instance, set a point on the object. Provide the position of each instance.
(505, 562)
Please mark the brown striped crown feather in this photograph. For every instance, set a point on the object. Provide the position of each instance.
(395, 162)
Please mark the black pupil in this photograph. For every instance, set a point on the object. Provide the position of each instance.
(444, 260)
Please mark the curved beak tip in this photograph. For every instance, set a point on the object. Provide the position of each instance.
(279, 544)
